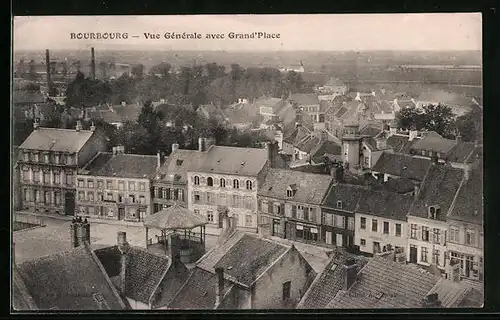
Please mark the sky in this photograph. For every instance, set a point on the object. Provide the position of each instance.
(324, 32)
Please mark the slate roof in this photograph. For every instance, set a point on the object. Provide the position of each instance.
(144, 271)
(370, 130)
(469, 204)
(462, 152)
(68, 281)
(385, 204)
(308, 143)
(324, 105)
(450, 293)
(439, 188)
(178, 163)
(431, 143)
(198, 292)
(400, 144)
(276, 104)
(107, 164)
(348, 194)
(386, 284)
(297, 135)
(403, 166)
(323, 148)
(233, 160)
(242, 113)
(310, 188)
(327, 284)
(62, 140)
(27, 97)
(305, 99)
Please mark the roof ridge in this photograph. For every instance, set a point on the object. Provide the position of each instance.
(453, 202)
(47, 256)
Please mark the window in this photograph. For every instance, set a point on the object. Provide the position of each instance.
(350, 223)
(222, 182)
(423, 254)
(197, 198)
(46, 177)
(25, 174)
(156, 192)
(329, 219)
(413, 231)
(26, 156)
(210, 216)
(286, 290)
(386, 227)
(197, 180)
(423, 152)
(264, 206)
(362, 223)
(80, 183)
(362, 242)
(131, 198)
(249, 185)
(131, 186)
(181, 195)
(398, 229)
(305, 212)
(109, 197)
(142, 200)
(436, 235)
(374, 225)
(236, 184)
(100, 196)
(47, 197)
(289, 193)
(36, 157)
(90, 183)
(469, 237)
(435, 257)
(210, 182)
(237, 201)
(175, 194)
(340, 221)
(339, 204)
(121, 185)
(91, 210)
(142, 186)
(69, 179)
(100, 184)
(211, 198)
(454, 234)
(90, 196)
(248, 220)
(57, 178)
(56, 198)
(81, 195)
(36, 175)
(236, 219)
(63, 159)
(120, 198)
(109, 184)
(425, 233)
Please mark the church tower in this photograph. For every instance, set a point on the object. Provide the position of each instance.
(351, 145)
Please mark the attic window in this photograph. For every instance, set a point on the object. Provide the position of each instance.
(179, 162)
(339, 204)
(434, 212)
(333, 267)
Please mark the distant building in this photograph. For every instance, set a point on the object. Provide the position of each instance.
(295, 68)
(48, 162)
(116, 186)
(334, 86)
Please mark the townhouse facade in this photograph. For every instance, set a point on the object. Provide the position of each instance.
(290, 204)
(116, 186)
(48, 161)
(229, 176)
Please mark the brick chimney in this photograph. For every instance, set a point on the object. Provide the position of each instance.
(123, 247)
(175, 146)
(47, 65)
(351, 273)
(416, 190)
(219, 290)
(431, 301)
(201, 144)
(36, 124)
(158, 159)
(412, 135)
(92, 127)
(272, 153)
(78, 125)
(92, 63)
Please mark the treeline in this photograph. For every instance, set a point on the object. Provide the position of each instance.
(196, 85)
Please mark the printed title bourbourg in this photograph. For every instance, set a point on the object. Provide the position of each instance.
(174, 35)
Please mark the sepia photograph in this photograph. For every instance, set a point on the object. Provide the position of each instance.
(232, 162)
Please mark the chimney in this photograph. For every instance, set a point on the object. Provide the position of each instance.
(272, 153)
(431, 301)
(92, 63)
(175, 146)
(123, 246)
(173, 247)
(358, 96)
(415, 192)
(47, 63)
(220, 285)
(351, 273)
(72, 233)
(124, 104)
(467, 172)
(78, 125)
(36, 124)
(412, 135)
(158, 159)
(92, 127)
(201, 144)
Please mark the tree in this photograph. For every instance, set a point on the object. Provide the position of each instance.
(138, 71)
(470, 125)
(162, 69)
(438, 118)
(135, 138)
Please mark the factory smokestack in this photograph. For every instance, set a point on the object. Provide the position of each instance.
(92, 63)
(47, 65)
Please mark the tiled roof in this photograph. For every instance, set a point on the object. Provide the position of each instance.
(178, 164)
(348, 194)
(249, 258)
(297, 135)
(330, 281)
(431, 143)
(439, 188)
(310, 188)
(469, 204)
(386, 284)
(63, 140)
(308, 143)
(208, 261)
(400, 144)
(69, 281)
(144, 271)
(107, 164)
(370, 130)
(325, 148)
(21, 298)
(450, 293)
(233, 160)
(385, 204)
(473, 299)
(275, 103)
(462, 152)
(324, 105)
(27, 96)
(403, 166)
(198, 292)
(304, 99)
(242, 113)
(172, 282)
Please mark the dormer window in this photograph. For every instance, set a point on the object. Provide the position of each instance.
(291, 190)
(222, 182)
(289, 193)
(249, 185)
(210, 182)
(179, 162)
(47, 158)
(236, 184)
(434, 212)
(197, 180)
(339, 204)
